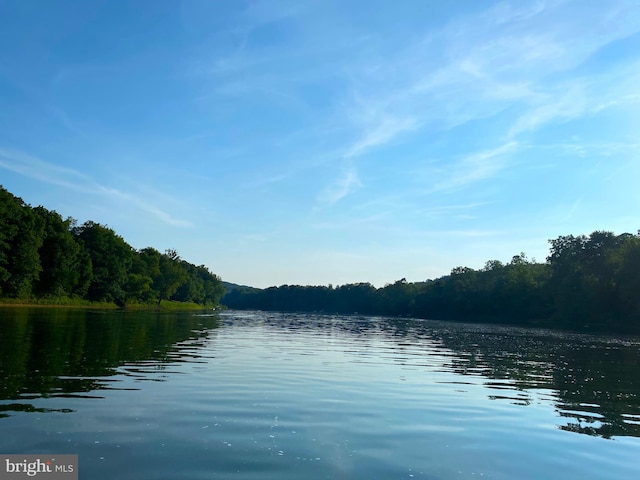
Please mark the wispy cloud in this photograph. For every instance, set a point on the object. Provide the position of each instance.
(573, 209)
(580, 97)
(513, 58)
(475, 167)
(345, 184)
(457, 210)
(37, 169)
(381, 132)
(46, 172)
(268, 180)
(583, 148)
(526, 65)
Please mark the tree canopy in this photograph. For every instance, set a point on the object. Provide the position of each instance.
(587, 283)
(43, 255)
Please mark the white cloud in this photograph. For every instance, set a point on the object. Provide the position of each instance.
(346, 183)
(508, 58)
(476, 167)
(40, 170)
(382, 131)
(37, 169)
(511, 57)
(558, 107)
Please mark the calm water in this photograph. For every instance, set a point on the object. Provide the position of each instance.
(255, 395)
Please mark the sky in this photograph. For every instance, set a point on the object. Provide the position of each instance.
(330, 141)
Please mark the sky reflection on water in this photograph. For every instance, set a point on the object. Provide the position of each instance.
(236, 391)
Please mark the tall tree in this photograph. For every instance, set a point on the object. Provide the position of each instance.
(111, 258)
(172, 275)
(20, 239)
(66, 265)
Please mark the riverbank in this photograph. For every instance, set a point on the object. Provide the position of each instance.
(165, 305)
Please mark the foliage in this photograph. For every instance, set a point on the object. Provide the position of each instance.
(21, 234)
(66, 263)
(46, 259)
(587, 283)
(111, 259)
(596, 280)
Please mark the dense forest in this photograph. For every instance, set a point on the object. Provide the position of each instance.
(46, 257)
(587, 283)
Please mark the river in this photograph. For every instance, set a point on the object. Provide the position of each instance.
(263, 395)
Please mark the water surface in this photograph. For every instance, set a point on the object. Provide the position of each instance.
(248, 395)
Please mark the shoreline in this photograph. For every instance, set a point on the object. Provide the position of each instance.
(165, 306)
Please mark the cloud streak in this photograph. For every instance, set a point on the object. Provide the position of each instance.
(510, 59)
(516, 59)
(46, 172)
(346, 183)
(382, 131)
(475, 167)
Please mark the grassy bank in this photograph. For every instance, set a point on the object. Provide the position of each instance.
(66, 302)
(170, 305)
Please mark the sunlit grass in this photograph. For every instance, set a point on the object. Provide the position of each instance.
(165, 305)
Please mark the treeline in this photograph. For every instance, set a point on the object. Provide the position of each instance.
(43, 256)
(587, 283)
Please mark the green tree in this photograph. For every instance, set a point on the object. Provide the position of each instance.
(172, 275)
(524, 295)
(66, 265)
(398, 298)
(212, 285)
(586, 278)
(628, 280)
(42, 255)
(20, 239)
(139, 288)
(111, 259)
(145, 269)
(10, 211)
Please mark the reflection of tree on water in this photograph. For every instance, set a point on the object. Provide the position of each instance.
(594, 381)
(598, 390)
(26, 407)
(68, 353)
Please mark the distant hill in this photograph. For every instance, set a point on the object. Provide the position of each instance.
(229, 287)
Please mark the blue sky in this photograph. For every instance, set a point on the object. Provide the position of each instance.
(332, 141)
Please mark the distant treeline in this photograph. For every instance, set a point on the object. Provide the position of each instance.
(43, 256)
(587, 283)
